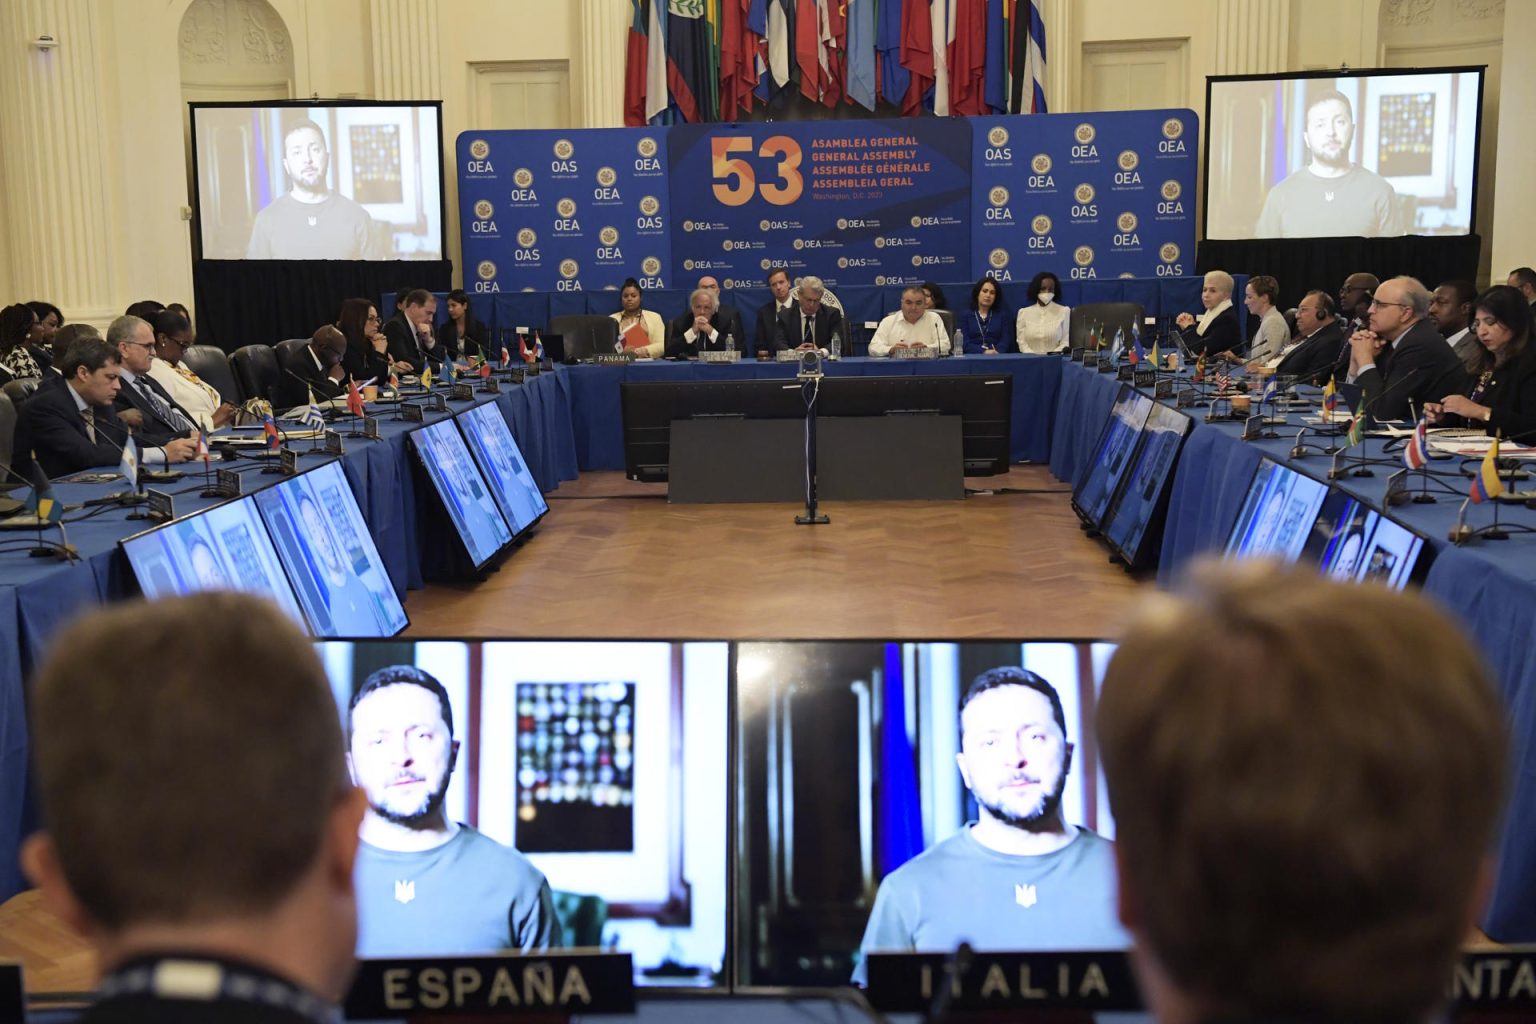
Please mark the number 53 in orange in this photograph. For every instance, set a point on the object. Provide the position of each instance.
(736, 181)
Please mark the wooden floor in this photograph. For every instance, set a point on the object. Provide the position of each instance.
(614, 559)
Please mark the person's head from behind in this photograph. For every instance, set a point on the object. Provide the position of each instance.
(196, 795)
(420, 306)
(1523, 278)
(1014, 755)
(68, 335)
(400, 745)
(305, 156)
(1502, 320)
(1303, 826)
(92, 367)
(145, 309)
(1330, 128)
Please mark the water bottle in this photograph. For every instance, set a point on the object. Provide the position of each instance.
(837, 344)
(957, 346)
(730, 343)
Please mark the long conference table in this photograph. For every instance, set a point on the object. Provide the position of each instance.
(567, 421)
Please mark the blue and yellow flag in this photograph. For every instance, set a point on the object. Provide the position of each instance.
(41, 503)
(1486, 484)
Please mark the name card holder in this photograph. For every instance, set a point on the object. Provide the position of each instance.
(613, 358)
(462, 393)
(371, 427)
(226, 484)
(1163, 388)
(1126, 372)
(1144, 378)
(786, 355)
(708, 356)
(1106, 364)
(413, 413)
(509, 987)
(333, 443)
(1099, 982)
(161, 507)
(490, 387)
(288, 462)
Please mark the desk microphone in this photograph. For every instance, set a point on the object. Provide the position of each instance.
(955, 967)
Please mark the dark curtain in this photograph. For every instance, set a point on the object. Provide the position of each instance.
(1301, 264)
(244, 302)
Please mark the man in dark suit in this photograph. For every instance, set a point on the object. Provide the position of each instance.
(726, 318)
(1450, 307)
(1399, 359)
(411, 341)
(312, 369)
(700, 330)
(162, 419)
(808, 324)
(209, 868)
(68, 424)
(768, 312)
(1311, 359)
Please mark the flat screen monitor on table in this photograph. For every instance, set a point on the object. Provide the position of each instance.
(324, 544)
(1277, 514)
(496, 452)
(1352, 541)
(1112, 455)
(462, 491)
(1131, 523)
(223, 548)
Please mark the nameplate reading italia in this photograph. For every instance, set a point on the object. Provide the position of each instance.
(913, 982)
(508, 986)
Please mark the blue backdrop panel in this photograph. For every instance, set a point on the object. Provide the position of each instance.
(1085, 196)
(853, 202)
(562, 210)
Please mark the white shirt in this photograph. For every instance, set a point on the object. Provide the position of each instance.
(1043, 328)
(189, 391)
(897, 330)
(1455, 339)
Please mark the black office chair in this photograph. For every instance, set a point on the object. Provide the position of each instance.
(288, 345)
(20, 389)
(1107, 317)
(212, 364)
(7, 438)
(255, 369)
(949, 323)
(586, 335)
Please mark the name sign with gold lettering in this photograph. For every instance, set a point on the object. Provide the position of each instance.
(507, 986)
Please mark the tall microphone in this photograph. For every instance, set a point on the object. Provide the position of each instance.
(956, 966)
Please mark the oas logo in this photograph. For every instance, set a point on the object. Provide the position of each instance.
(522, 177)
(762, 225)
(527, 238)
(1126, 222)
(998, 196)
(687, 225)
(687, 264)
(1083, 255)
(609, 236)
(569, 269)
(799, 243)
(1172, 190)
(727, 244)
(1173, 128)
(765, 263)
(1128, 160)
(729, 283)
(1084, 133)
(842, 263)
(1169, 253)
(564, 149)
(917, 261)
(879, 242)
(842, 223)
(479, 149)
(646, 147)
(917, 222)
(998, 136)
(879, 279)
(566, 208)
(997, 258)
(651, 266)
(649, 205)
(1041, 164)
(484, 209)
(606, 177)
(1084, 193)
(1041, 225)
(486, 270)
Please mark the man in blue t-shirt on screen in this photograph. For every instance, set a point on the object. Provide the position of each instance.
(1019, 877)
(426, 885)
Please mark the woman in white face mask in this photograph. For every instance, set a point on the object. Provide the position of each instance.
(1043, 325)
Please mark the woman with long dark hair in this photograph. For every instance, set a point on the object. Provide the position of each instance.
(367, 355)
(461, 335)
(17, 325)
(1504, 398)
(986, 328)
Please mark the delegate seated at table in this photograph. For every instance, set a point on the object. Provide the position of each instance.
(807, 323)
(700, 331)
(914, 328)
(313, 372)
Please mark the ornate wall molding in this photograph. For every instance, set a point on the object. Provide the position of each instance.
(406, 61)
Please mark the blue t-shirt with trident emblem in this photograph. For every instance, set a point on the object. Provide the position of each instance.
(960, 891)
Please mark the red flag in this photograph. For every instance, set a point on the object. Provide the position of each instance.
(274, 440)
(635, 68)
(733, 68)
(968, 59)
(834, 50)
(522, 349)
(916, 54)
(808, 49)
(354, 399)
(485, 367)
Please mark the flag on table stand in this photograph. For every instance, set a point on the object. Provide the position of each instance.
(485, 366)
(1137, 353)
(426, 377)
(202, 447)
(1157, 360)
(1357, 425)
(506, 357)
(1416, 453)
(269, 427)
(41, 502)
(354, 399)
(634, 68)
(538, 348)
(1027, 95)
(450, 370)
(313, 418)
(394, 382)
(1271, 390)
(522, 348)
(129, 465)
(1199, 374)
(1331, 400)
(1223, 382)
(1486, 484)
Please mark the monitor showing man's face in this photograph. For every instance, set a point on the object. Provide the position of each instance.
(305, 158)
(1330, 130)
(1013, 756)
(401, 753)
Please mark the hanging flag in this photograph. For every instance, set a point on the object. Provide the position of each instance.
(832, 21)
(893, 78)
(757, 24)
(1027, 95)
(269, 427)
(634, 67)
(712, 54)
(916, 54)
(1487, 484)
(781, 45)
(808, 49)
(968, 58)
(995, 66)
(658, 103)
(1357, 425)
(863, 81)
(688, 60)
(354, 399)
(736, 70)
(942, 16)
(1416, 452)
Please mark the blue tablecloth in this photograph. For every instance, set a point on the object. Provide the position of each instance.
(38, 596)
(599, 430)
(1489, 585)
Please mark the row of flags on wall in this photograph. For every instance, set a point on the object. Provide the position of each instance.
(714, 60)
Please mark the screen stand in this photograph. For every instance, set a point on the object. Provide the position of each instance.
(809, 388)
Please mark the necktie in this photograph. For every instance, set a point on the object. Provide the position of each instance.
(163, 410)
(90, 423)
(810, 335)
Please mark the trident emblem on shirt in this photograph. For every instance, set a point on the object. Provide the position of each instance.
(1023, 895)
(404, 891)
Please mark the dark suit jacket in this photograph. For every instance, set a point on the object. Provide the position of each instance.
(300, 363)
(1419, 367)
(403, 346)
(767, 321)
(155, 431)
(677, 345)
(1312, 361)
(790, 330)
(1223, 335)
(1511, 394)
(49, 426)
(365, 364)
(476, 340)
(726, 320)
